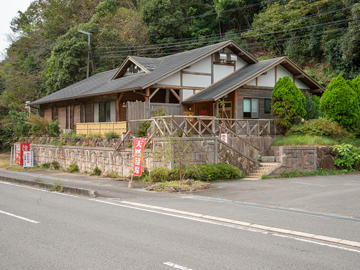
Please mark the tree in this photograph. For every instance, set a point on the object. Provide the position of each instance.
(312, 106)
(340, 102)
(288, 103)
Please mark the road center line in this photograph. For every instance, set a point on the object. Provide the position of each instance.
(26, 219)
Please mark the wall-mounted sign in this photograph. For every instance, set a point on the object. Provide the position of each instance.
(224, 137)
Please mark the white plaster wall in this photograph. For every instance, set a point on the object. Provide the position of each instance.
(253, 82)
(301, 85)
(203, 66)
(267, 80)
(282, 72)
(185, 93)
(196, 80)
(240, 63)
(221, 71)
(171, 80)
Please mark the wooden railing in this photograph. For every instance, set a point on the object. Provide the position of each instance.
(184, 126)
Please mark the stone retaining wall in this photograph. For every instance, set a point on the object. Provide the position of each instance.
(87, 158)
(305, 159)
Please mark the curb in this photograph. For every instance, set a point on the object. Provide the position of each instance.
(68, 190)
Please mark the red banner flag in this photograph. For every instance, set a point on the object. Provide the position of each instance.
(138, 152)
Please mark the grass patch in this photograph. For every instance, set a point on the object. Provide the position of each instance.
(304, 140)
(57, 186)
(312, 140)
(112, 175)
(39, 180)
(297, 173)
(180, 186)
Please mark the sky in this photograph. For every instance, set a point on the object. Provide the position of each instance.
(8, 10)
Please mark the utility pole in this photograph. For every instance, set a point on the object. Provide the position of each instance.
(89, 52)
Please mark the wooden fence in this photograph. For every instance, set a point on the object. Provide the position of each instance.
(101, 128)
(144, 110)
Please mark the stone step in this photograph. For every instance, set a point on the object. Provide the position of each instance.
(268, 158)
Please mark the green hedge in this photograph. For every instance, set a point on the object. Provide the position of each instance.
(207, 172)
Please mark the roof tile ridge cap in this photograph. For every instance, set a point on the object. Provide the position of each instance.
(273, 59)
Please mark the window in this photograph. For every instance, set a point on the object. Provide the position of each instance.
(251, 107)
(267, 105)
(105, 111)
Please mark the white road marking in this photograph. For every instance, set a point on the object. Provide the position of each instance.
(26, 219)
(197, 219)
(310, 184)
(177, 266)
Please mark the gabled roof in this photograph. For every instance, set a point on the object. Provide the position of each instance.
(155, 69)
(242, 76)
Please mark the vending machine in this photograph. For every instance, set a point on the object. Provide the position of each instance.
(19, 152)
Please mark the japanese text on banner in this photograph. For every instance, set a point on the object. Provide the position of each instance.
(138, 152)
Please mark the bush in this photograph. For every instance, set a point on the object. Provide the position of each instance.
(73, 168)
(96, 171)
(112, 174)
(340, 102)
(320, 127)
(312, 106)
(111, 135)
(221, 171)
(94, 135)
(45, 165)
(348, 156)
(288, 102)
(143, 128)
(55, 165)
(159, 175)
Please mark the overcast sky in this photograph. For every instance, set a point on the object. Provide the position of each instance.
(8, 10)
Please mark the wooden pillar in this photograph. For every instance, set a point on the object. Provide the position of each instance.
(147, 100)
(118, 107)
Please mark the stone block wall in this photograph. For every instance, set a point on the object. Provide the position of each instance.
(87, 158)
(305, 159)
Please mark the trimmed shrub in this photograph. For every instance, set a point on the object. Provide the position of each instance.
(320, 127)
(288, 103)
(340, 102)
(221, 171)
(159, 175)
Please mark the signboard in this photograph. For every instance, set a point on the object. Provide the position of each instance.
(138, 152)
(224, 137)
(28, 159)
(19, 152)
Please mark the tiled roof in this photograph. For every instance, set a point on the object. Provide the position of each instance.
(158, 68)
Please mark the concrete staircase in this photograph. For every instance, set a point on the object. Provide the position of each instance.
(262, 169)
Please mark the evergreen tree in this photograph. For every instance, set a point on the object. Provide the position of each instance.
(340, 103)
(288, 103)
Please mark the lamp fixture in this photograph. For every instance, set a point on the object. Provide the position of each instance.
(189, 108)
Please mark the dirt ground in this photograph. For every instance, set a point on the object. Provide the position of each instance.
(4, 160)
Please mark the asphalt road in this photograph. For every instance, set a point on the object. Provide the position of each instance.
(43, 230)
